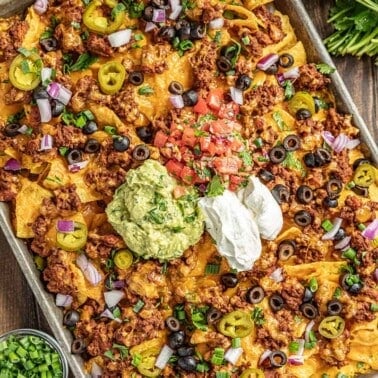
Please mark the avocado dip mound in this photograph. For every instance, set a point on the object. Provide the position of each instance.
(152, 222)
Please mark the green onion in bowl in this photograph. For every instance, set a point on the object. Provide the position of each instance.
(27, 353)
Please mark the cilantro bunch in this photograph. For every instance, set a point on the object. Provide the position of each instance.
(356, 28)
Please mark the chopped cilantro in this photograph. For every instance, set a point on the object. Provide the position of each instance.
(289, 89)
(246, 157)
(63, 150)
(123, 350)
(325, 69)
(133, 8)
(215, 187)
(257, 316)
(188, 5)
(82, 63)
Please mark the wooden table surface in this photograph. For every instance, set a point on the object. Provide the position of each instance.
(17, 305)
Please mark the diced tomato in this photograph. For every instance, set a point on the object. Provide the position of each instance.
(179, 191)
(204, 143)
(160, 139)
(222, 127)
(215, 99)
(186, 154)
(229, 111)
(227, 165)
(220, 147)
(211, 149)
(188, 175)
(188, 137)
(235, 182)
(236, 145)
(201, 107)
(174, 167)
(200, 180)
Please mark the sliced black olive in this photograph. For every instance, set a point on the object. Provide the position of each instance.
(286, 60)
(71, 317)
(309, 310)
(243, 82)
(121, 143)
(182, 23)
(49, 44)
(74, 156)
(330, 202)
(183, 33)
(185, 351)
(188, 363)
(276, 302)
(176, 339)
(57, 108)
(172, 323)
(213, 315)
(197, 31)
(281, 193)
(344, 281)
(148, 13)
(92, 146)
(291, 143)
(40, 93)
(308, 295)
(11, 129)
(360, 161)
(334, 307)
(190, 97)
(176, 88)
(334, 187)
(304, 194)
(224, 64)
(136, 78)
(322, 156)
(90, 127)
(277, 154)
(162, 4)
(340, 234)
(355, 288)
(277, 359)
(141, 152)
(303, 114)
(145, 133)
(309, 160)
(255, 294)
(272, 70)
(286, 249)
(360, 190)
(229, 280)
(78, 346)
(167, 33)
(303, 218)
(266, 175)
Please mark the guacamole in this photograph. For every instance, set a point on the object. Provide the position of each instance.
(152, 222)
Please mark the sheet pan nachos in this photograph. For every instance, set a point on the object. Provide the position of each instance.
(188, 189)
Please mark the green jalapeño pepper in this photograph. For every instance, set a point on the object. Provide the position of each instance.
(252, 373)
(236, 324)
(111, 76)
(73, 241)
(95, 20)
(301, 100)
(332, 327)
(364, 175)
(147, 367)
(25, 71)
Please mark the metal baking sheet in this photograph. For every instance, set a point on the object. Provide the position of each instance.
(316, 53)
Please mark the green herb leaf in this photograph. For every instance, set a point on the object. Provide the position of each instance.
(145, 90)
(63, 150)
(215, 187)
(133, 8)
(83, 62)
(257, 316)
(325, 69)
(289, 89)
(17, 117)
(109, 354)
(280, 122)
(292, 162)
(246, 157)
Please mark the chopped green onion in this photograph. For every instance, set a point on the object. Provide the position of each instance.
(361, 227)
(350, 185)
(236, 343)
(374, 307)
(80, 121)
(202, 367)
(218, 356)
(337, 293)
(222, 374)
(111, 130)
(88, 115)
(138, 306)
(258, 142)
(350, 253)
(294, 346)
(212, 269)
(327, 225)
(313, 284)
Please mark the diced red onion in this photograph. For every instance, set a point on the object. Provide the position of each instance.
(343, 243)
(119, 284)
(277, 275)
(150, 26)
(119, 38)
(108, 314)
(237, 95)
(96, 371)
(291, 74)
(264, 356)
(376, 275)
(267, 61)
(328, 137)
(216, 23)
(175, 13)
(59, 92)
(340, 142)
(177, 101)
(46, 74)
(75, 167)
(65, 226)
(336, 226)
(296, 360)
(40, 6)
(280, 78)
(301, 346)
(174, 4)
(308, 330)
(371, 230)
(89, 270)
(112, 297)
(163, 357)
(63, 300)
(158, 15)
(353, 143)
(46, 142)
(44, 108)
(23, 129)
(12, 165)
(233, 354)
